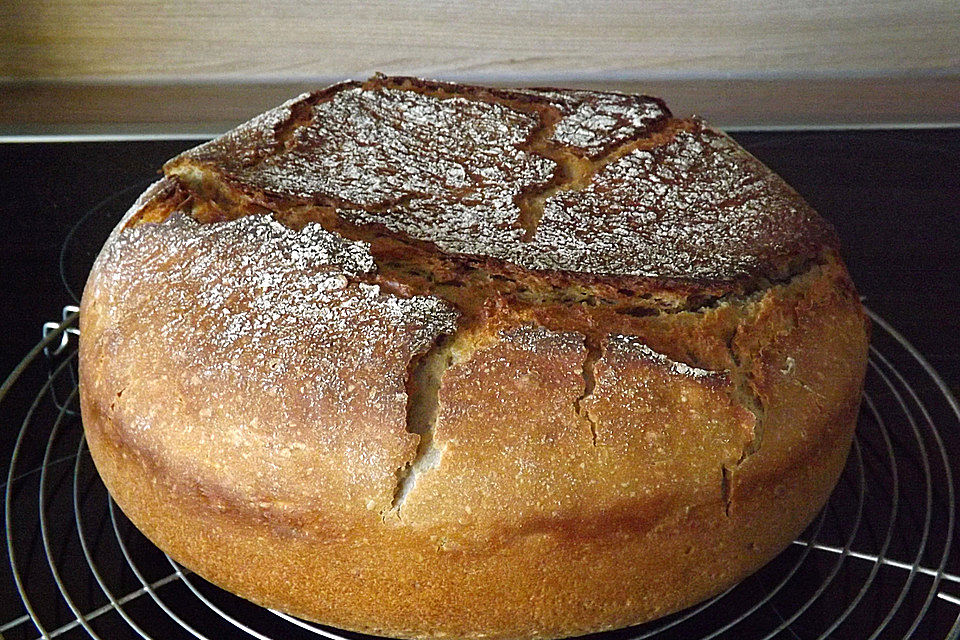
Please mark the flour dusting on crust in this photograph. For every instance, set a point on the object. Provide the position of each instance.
(594, 122)
(633, 346)
(384, 146)
(451, 165)
(697, 207)
(538, 339)
(264, 299)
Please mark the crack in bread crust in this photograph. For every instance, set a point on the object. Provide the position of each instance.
(595, 349)
(407, 264)
(405, 270)
(486, 296)
(423, 405)
(488, 291)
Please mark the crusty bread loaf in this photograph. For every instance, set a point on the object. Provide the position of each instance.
(431, 360)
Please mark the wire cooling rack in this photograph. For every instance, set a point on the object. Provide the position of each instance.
(878, 561)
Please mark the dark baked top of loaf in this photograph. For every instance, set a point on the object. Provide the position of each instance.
(577, 182)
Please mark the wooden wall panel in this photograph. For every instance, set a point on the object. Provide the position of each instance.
(86, 52)
(298, 39)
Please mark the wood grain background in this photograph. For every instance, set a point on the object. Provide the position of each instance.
(82, 65)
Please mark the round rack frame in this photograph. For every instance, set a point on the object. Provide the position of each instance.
(877, 562)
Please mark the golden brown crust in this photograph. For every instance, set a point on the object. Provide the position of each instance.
(581, 562)
(341, 421)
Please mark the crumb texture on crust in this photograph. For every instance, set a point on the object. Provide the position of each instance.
(505, 327)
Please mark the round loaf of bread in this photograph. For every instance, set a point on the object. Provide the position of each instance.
(439, 361)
